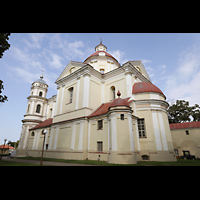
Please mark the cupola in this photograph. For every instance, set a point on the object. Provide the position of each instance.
(120, 102)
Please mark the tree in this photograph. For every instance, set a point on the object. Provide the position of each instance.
(182, 112)
(13, 144)
(4, 45)
(2, 98)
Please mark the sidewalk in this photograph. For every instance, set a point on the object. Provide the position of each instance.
(50, 163)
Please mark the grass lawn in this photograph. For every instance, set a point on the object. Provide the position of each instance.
(180, 162)
(8, 163)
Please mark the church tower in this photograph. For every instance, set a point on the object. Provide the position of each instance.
(35, 113)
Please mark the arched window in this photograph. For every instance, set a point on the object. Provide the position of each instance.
(38, 108)
(40, 94)
(70, 94)
(112, 92)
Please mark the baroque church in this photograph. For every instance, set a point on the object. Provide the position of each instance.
(101, 108)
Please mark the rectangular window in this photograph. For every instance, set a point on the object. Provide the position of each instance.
(141, 128)
(100, 124)
(122, 116)
(100, 146)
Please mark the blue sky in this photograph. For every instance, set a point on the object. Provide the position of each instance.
(172, 61)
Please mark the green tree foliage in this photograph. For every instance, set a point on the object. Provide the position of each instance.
(4, 45)
(2, 98)
(182, 112)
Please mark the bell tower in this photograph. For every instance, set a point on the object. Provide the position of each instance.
(35, 112)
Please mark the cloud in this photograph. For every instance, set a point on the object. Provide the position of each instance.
(155, 72)
(50, 51)
(56, 61)
(35, 40)
(185, 81)
(119, 55)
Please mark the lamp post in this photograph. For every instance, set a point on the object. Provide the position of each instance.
(44, 132)
(4, 145)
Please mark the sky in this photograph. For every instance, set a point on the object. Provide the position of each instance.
(172, 61)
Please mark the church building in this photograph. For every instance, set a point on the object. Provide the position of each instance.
(101, 108)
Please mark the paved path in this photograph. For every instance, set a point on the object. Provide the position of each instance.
(44, 162)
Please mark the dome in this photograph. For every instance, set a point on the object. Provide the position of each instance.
(100, 50)
(141, 87)
(41, 81)
(100, 53)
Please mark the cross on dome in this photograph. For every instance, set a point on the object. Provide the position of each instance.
(42, 75)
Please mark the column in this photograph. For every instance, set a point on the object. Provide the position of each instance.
(102, 91)
(51, 138)
(61, 103)
(86, 88)
(32, 105)
(80, 142)
(57, 98)
(156, 131)
(162, 130)
(26, 134)
(113, 132)
(77, 92)
(128, 82)
(130, 132)
(73, 135)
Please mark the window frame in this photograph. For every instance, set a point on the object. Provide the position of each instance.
(141, 128)
(100, 124)
(38, 108)
(71, 91)
(40, 94)
(99, 146)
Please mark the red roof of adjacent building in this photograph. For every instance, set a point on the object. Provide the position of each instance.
(6, 147)
(43, 124)
(141, 87)
(185, 125)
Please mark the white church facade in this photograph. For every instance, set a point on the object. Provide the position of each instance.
(101, 108)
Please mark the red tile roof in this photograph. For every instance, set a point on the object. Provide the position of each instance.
(103, 108)
(141, 87)
(43, 124)
(185, 125)
(121, 102)
(6, 147)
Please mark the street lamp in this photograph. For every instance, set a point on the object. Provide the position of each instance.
(4, 145)
(44, 132)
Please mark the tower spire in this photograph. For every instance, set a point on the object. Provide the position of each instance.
(42, 74)
(100, 40)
